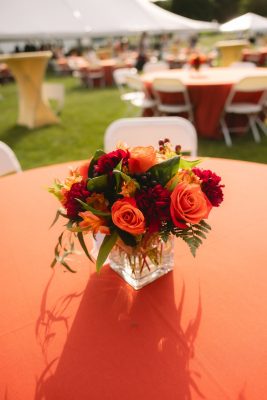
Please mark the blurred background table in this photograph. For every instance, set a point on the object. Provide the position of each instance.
(28, 70)
(208, 90)
(198, 332)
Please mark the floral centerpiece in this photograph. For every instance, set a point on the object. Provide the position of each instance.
(196, 60)
(139, 199)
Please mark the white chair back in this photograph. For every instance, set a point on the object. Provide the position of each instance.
(148, 131)
(155, 66)
(168, 85)
(250, 109)
(242, 64)
(249, 84)
(134, 82)
(8, 160)
(120, 75)
(54, 91)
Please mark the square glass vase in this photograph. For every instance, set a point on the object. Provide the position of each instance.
(143, 264)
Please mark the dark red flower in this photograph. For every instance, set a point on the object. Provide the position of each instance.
(210, 185)
(108, 162)
(77, 191)
(155, 205)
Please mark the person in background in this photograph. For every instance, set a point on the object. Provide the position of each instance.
(193, 41)
(91, 56)
(142, 49)
(163, 45)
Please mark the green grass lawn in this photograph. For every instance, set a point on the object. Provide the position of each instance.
(85, 117)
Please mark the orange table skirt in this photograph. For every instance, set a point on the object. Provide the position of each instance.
(208, 104)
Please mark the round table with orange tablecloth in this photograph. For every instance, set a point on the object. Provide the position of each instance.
(198, 332)
(208, 91)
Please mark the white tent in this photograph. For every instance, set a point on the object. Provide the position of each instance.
(31, 19)
(246, 22)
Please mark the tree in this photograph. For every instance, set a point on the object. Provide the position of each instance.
(196, 9)
(207, 10)
(224, 10)
(256, 6)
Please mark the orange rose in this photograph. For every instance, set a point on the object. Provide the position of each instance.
(189, 204)
(141, 159)
(127, 216)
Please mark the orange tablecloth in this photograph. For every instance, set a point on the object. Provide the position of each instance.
(208, 92)
(199, 332)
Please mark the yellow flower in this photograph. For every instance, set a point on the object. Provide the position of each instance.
(185, 176)
(98, 202)
(128, 189)
(188, 176)
(74, 177)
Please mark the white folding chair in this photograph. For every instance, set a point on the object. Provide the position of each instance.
(148, 131)
(136, 84)
(155, 66)
(250, 84)
(120, 78)
(8, 160)
(54, 92)
(163, 86)
(120, 75)
(93, 75)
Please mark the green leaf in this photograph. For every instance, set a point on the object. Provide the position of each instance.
(55, 219)
(82, 243)
(69, 225)
(187, 164)
(205, 224)
(127, 238)
(60, 239)
(126, 177)
(53, 263)
(200, 233)
(93, 210)
(196, 241)
(174, 183)
(59, 213)
(98, 184)
(165, 170)
(94, 160)
(118, 176)
(66, 265)
(105, 249)
(202, 228)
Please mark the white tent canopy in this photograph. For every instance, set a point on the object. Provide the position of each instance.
(42, 19)
(246, 22)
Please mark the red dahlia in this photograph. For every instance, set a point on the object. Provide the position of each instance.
(210, 185)
(77, 191)
(155, 205)
(108, 162)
